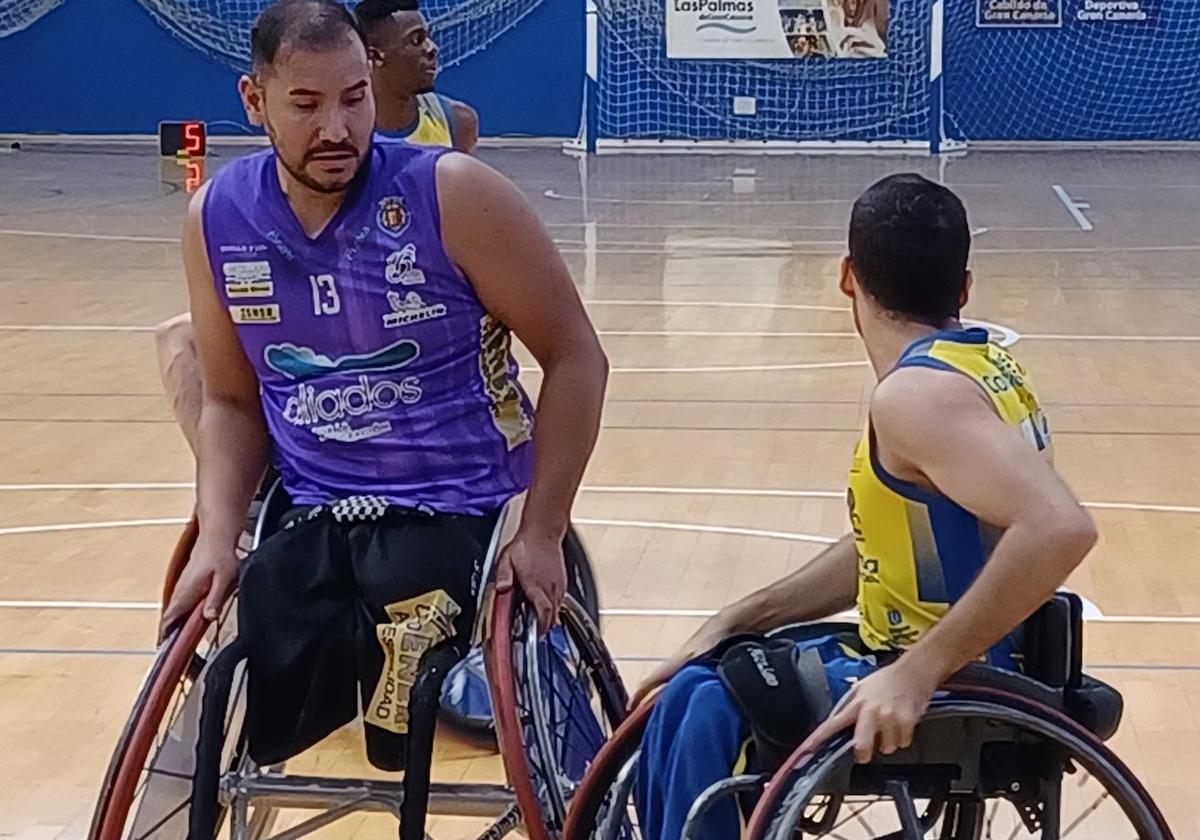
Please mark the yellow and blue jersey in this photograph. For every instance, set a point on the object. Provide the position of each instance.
(918, 550)
(434, 125)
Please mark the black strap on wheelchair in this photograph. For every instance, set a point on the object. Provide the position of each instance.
(205, 814)
(782, 692)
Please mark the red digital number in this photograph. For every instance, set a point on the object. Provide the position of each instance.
(193, 138)
(195, 176)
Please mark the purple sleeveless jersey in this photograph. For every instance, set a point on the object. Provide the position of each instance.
(380, 371)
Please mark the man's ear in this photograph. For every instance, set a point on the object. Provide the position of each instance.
(846, 278)
(252, 99)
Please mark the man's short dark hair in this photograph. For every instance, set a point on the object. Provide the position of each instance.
(909, 244)
(371, 13)
(306, 24)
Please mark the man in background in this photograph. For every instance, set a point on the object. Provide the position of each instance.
(404, 68)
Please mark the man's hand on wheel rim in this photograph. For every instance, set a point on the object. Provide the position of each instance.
(208, 577)
(535, 562)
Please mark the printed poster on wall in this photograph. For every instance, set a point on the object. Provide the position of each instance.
(1018, 13)
(1050, 13)
(725, 29)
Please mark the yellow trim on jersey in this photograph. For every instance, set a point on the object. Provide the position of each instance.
(917, 550)
(433, 123)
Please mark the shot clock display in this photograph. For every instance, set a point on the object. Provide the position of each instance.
(183, 139)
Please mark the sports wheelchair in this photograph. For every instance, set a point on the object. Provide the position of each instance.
(998, 755)
(181, 766)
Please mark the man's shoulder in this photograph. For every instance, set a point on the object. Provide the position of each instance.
(917, 401)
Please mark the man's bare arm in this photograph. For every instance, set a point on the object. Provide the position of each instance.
(818, 589)
(957, 444)
(492, 233)
(466, 127)
(233, 447)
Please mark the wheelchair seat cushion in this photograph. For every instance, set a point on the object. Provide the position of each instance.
(1094, 705)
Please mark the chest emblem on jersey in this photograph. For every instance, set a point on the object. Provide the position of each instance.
(410, 309)
(393, 215)
(327, 412)
(248, 279)
(402, 267)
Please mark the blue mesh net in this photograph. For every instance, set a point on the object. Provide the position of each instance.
(15, 15)
(1089, 80)
(221, 28)
(645, 95)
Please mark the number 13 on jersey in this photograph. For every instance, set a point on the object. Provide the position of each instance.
(325, 294)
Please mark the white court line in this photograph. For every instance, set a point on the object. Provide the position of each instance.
(606, 489)
(72, 328)
(102, 237)
(1062, 337)
(733, 368)
(130, 485)
(790, 536)
(721, 304)
(89, 526)
(615, 612)
(1075, 208)
(555, 194)
(79, 605)
(722, 334)
(710, 491)
(1141, 507)
(1116, 249)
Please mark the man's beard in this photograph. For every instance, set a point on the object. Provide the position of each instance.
(307, 180)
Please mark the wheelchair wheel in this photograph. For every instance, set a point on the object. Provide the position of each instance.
(466, 702)
(556, 699)
(984, 765)
(602, 808)
(147, 791)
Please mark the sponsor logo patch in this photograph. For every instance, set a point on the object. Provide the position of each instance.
(263, 313)
(248, 279)
(410, 309)
(402, 267)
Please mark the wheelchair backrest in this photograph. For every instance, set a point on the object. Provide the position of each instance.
(1052, 642)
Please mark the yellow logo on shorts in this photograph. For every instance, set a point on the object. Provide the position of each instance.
(416, 625)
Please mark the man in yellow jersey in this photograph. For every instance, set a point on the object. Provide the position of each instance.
(960, 530)
(405, 68)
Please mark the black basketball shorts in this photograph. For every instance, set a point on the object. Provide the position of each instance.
(333, 608)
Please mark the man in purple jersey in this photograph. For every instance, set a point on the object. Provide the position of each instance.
(352, 305)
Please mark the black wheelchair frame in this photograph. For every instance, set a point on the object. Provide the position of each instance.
(181, 765)
(988, 736)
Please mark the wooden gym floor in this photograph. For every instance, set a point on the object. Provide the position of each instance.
(737, 393)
